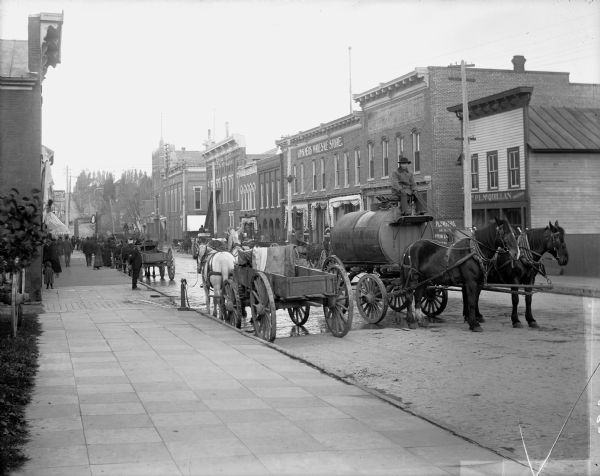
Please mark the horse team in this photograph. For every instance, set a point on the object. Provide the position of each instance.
(492, 254)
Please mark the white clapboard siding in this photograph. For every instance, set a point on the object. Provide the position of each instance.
(565, 187)
(498, 132)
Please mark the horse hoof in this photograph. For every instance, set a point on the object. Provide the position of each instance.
(480, 319)
(533, 325)
(517, 325)
(476, 329)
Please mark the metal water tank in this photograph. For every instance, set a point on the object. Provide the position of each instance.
(377, 237)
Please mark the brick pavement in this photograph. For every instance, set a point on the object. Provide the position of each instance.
(128, 386)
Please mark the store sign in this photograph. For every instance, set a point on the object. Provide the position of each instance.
(321, 147)
(504, 196)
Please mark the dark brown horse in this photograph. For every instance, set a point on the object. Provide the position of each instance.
(533, 244)
(464, 263)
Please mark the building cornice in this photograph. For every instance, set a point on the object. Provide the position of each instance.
(24, 83)
(496, 103)
(231, 143)
(419, 76)
(321, 130)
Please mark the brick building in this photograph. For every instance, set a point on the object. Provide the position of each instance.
(409, 115)
(248, 181)
(270, 195)
(23, 66)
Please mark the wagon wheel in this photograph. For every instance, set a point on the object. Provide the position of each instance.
(396, 298)
(338, 309)
(434, 301)
(331, 261)
(161, 270)
(230, 304)
(171, 264)
(262, 305)
(299, 315)
(371, 298)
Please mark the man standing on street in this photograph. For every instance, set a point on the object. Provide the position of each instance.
(68, 250)
(135, 260)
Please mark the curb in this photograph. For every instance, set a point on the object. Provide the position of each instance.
(582, 292)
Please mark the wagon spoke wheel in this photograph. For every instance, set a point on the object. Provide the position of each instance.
(331, 261)
(171, 264)
(299, 315)
(262, 305)
(397, 299)
(338, 310)
(230, 307)
(434, 301)
(371, 298)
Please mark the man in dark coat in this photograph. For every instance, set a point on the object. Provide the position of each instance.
(125, 252)
(50, 253)
(88, 249)
(403, 185)
(135, 260)
(67, 250)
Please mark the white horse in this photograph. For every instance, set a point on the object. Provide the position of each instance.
(215, 267)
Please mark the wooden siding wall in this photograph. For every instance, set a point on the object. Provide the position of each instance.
(498, 132)
(564, 187)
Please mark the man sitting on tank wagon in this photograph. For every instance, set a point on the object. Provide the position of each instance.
(403, 185)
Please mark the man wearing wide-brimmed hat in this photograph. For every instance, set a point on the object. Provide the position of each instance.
(403, 185)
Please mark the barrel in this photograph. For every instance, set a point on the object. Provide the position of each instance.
(377, 237)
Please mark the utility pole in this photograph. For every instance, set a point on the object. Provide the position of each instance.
(466, 149)
(214, 200)
(289, 190)
(465, 138)
(68, 198)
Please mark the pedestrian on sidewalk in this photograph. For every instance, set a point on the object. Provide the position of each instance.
(48, 275)
(98, 263)
(67, 250)
(60, 248)
(135, 260)
(50, 253)
(88, 249)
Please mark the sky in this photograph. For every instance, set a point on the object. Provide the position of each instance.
(132, 70)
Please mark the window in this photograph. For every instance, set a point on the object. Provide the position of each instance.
(346, 169)
(416, 143)
(474, 172)
(371, 160)
(231, 190)
(514, 168)
(323, 182)
(399, 148)
(302, 178)
(336, 165)
(492, 166)
(385, 157)
(357, 166)
(197, 198)
(262, 195)
(278, 192)
(273, 194)
(295, 179)
(314, 167)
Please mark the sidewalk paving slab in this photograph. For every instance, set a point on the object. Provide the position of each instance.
(128, 385)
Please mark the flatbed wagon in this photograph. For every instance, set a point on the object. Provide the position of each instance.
(297, 289)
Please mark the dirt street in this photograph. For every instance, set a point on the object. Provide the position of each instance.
(479, 385)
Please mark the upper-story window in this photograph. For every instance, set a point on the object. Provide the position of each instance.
(301, 178)
(346, 169)
(323, 181)
(514, 168)
(295, 179)
(278, 192)
(197, 198)
(399, 149)
(231, 190)
(416, 143)
(357, 166)
(371, 160)
(336, 165)
(262, 195)
(492, 170)
(474, 172)
(314, 171)
(273, 194)
(385, 159)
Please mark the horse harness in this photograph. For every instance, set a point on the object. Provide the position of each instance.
(206, 260)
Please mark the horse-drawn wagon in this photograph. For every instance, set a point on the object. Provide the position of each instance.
(282, 284)
(153, 257)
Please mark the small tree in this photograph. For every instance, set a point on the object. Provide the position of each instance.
(21, 232)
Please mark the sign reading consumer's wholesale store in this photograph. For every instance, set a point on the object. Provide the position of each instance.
(321, 147)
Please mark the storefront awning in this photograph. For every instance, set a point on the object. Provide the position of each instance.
(54, 225)
(353, 200)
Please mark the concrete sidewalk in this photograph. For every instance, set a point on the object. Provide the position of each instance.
(128, 385)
